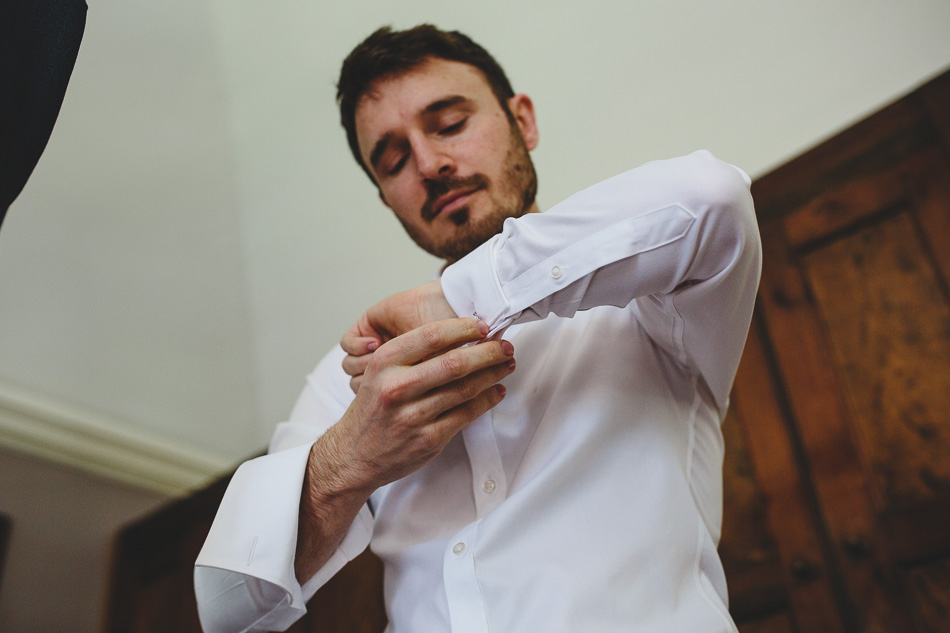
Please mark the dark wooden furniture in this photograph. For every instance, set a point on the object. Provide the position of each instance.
(837, 474)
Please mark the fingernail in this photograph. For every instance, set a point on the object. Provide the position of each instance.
(372, 345)
(483, 328)
(507, 348)
(501, 391)
(511, 365)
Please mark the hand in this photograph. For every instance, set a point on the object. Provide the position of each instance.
(416, 396)
(419, 390)
(391, 317)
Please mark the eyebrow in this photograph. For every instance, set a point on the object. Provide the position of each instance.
(436, 106)
(442, 104)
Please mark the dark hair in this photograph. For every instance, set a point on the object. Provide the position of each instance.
(387, 53)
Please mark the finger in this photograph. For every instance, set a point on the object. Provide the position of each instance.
(457, 392)
(355, 382)
(417, 382)
(417, 344)
(456, 418)
(448, 348)
(356, 365)
(358, 345)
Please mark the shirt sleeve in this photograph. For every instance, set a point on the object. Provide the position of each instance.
(677, 239)
(244, 575)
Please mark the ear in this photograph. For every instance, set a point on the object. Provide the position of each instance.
(522, 109)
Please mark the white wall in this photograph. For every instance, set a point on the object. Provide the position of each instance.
(123, 281)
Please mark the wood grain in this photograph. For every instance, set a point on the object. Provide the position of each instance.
(748, 550)
(889, 326)
(791, 519)
(930, 587)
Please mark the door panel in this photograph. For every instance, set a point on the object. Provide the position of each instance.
(855, 305)
(875, 291)
(772, 546)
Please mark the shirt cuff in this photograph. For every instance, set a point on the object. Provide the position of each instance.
(254, 537)
(471, 287)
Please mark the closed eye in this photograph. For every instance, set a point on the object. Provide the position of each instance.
(395, 169)
(453, 129)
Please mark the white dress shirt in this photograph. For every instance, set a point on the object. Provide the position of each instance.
(590, 498)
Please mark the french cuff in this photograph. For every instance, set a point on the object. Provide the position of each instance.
(255, 530)
(471, 287)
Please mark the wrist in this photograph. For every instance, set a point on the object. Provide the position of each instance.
(332, 478)
(434, 299)
(328, 505)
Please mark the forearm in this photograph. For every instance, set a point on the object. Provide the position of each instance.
(329, 502)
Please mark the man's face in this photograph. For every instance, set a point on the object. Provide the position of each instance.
(448, 160)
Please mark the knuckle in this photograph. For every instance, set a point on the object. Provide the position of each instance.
(380, 359)
(400, 423)
(469, 410)
(392, 393)
(465, 390)
(432, 337)
(430, 440)
(452, 365)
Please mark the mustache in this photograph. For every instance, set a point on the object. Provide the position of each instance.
(435, 189)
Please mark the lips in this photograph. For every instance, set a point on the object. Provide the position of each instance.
(451, 201)
(450, 194)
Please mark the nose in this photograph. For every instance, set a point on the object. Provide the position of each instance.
(432, 160)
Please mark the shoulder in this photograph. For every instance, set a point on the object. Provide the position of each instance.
(700, 179)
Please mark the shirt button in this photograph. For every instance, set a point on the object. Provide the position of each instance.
(459, 549)
(556, 272)
(489, 486)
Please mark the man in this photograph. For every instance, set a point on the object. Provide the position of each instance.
(581, 492)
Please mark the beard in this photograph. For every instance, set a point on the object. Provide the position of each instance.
(511, 197)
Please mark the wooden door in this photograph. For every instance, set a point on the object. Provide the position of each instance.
(843, 399)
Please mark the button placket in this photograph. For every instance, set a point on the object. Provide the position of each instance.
(488, 478)
(466, 609)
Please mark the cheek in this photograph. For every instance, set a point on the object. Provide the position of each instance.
(405, 201)
(399, 195)
(486, 157)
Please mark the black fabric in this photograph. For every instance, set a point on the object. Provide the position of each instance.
(39, 41)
